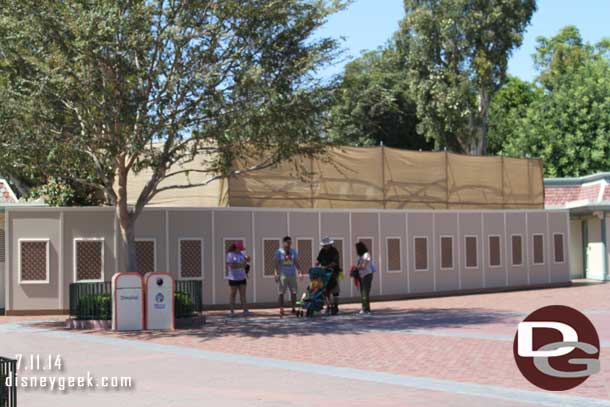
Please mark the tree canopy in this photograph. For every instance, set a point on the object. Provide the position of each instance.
(373, 104)
(455, 55)
(96, 90)
(563, 117)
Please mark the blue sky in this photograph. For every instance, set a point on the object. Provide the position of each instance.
(368, 24)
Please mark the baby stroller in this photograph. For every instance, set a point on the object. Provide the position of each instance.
(313, 299)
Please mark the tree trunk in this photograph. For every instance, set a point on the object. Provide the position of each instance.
(481, 123)
(126, 221)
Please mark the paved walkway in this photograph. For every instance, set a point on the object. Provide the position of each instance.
(451, 351)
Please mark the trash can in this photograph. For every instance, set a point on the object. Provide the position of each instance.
(127, 302)
(159, 288)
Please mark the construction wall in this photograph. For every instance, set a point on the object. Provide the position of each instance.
(417, 252)
(381, 177)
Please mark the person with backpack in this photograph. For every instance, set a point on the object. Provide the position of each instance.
(365, 270)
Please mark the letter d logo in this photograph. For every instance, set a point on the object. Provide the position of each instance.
(556, 348)
(525, 337)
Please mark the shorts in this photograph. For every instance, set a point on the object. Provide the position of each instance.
(236, 283)
(287, 282)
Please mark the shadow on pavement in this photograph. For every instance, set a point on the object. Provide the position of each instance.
(385, 320)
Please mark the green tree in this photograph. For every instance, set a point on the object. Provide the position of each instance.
(508, 107)
(568, 125)
(373, 105)
(456, 54)
(102, 89)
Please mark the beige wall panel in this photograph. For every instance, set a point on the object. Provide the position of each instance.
(195, 224)
(470, 226)
(446, 226)
(365, 225)
(516, 225)
(267, 225)
(151, 225)
(336, 225)
(34, 225)
(2, 264)
(231, 224)
(394, 225)
(87, 224)
(536, 224)
(493, 225)
(559, 268)
(304, 225)
(419, 224)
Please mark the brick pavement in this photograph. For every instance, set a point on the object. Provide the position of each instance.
(461, 340)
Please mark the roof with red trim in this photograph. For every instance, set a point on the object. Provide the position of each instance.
(590, 190)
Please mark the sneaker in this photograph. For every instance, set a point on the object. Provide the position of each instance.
(361, 312)
(246, 313)
(232, 314)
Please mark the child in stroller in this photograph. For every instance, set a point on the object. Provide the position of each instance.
(313, 299)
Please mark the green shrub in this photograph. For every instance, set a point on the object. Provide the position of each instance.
(183, 304)
(95, 306)
(99, 306)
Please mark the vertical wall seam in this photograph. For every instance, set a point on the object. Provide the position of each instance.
(527, 247)
(506, 237)
(61, 266)
(254, 274)
(379, 256)
(550, 243)
(483, 247)
(407, 263)
(8, 266)
(167, 244)
(605, 247)
(7, 262)
(433, 248)
(459, 252)
(213, 258)
(351, 243)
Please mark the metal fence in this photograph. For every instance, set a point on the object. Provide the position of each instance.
(91, 300)
(8, 389)
(94, 300)
(188, 299)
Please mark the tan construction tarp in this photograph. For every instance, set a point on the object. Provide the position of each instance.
(373, 177)
(381, 177)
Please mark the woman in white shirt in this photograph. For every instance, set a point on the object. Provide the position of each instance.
(365, 271)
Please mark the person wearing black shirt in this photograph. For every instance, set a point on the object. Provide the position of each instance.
(329, 258)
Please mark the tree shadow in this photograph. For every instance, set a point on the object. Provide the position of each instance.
(383, 320)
